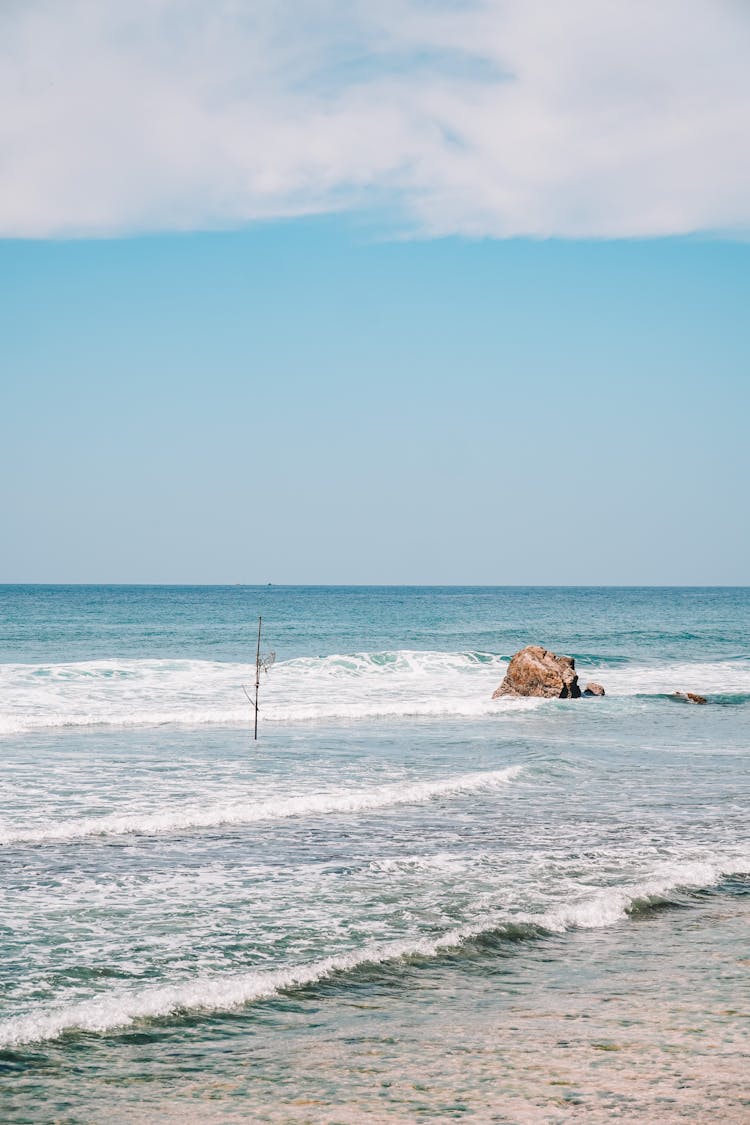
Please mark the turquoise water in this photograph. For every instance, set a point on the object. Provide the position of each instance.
(398, 902)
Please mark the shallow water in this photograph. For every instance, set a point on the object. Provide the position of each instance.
(397, 903)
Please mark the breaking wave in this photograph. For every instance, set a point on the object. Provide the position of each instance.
(118, 1009)
(191, 692)
(241, 813)
(400, 684)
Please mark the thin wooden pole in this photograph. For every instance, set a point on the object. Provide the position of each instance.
(257, 678)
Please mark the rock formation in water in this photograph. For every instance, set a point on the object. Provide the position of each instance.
(594, 689)
(535, 671)
(689, 697)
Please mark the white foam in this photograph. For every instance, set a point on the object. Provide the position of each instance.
(120, 1008)
(326, 803)
(155, 692)
(718, 678)
(402, 684)
(608, 905)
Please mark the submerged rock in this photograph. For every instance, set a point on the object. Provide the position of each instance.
(594, 689)
(689, 697)
(535, 671)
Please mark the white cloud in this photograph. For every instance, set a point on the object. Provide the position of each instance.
(584, 118)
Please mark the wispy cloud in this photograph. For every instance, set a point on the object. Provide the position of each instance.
(590, 118)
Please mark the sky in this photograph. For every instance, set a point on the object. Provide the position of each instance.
(375, 293)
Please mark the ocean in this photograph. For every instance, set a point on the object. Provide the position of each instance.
(407, 901)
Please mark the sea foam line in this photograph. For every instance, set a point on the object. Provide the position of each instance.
(135, 693)
(604, 907)
(279, 808)
(397, 685)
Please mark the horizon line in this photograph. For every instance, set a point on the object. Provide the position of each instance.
(390, 585)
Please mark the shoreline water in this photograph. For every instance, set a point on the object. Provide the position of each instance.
(546, 1031)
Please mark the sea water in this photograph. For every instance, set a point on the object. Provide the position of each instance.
(406, 901)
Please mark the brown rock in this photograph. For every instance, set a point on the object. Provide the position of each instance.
(689, 697)
(535, 671)
(594, 689)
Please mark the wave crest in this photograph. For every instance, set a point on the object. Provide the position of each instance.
(602, 907)
(399, 684)
(280, 808)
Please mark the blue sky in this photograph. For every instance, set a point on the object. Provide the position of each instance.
(433, 364)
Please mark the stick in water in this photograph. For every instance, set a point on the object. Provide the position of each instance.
(257, 679)
(262, 664)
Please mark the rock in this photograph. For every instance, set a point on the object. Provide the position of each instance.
(689, 697)
(535, 671)
(594, 689)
